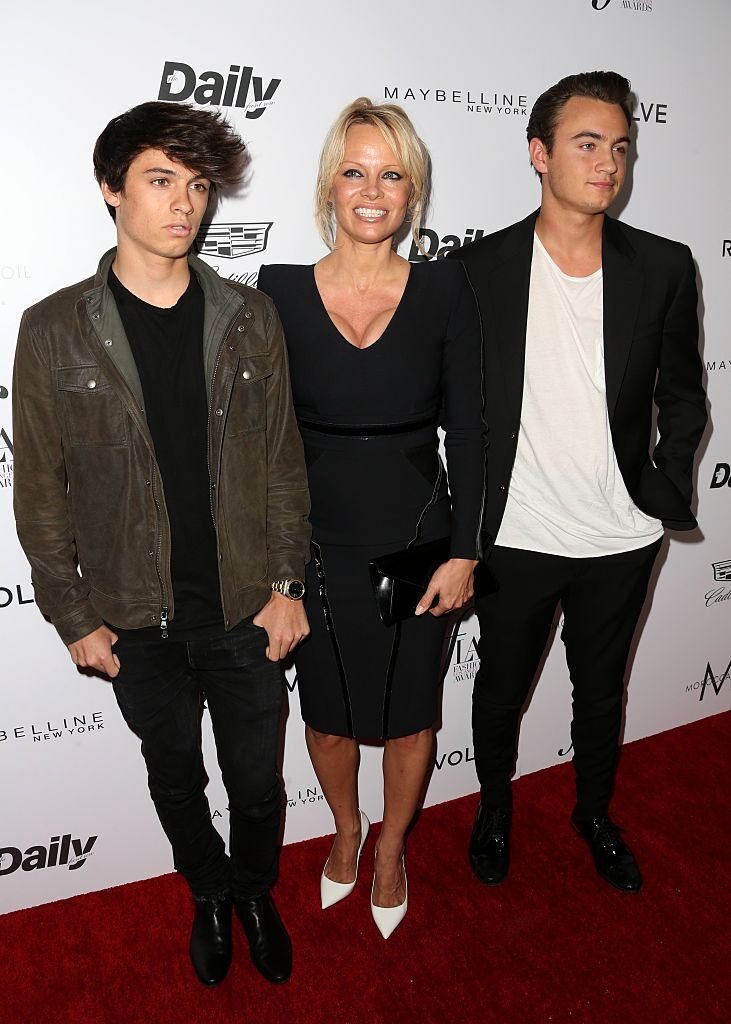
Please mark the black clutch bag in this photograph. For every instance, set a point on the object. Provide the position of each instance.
(400, 579)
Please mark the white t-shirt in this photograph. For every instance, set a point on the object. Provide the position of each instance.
(567, 495)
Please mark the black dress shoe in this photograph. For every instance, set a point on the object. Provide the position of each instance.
(269, 943)
(613, 858)
(210, 940)
(490, 844)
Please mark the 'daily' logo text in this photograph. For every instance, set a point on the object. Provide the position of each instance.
(437, 247)
(62, 851)
(239, 87)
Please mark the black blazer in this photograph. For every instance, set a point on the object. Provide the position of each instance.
(650, 353)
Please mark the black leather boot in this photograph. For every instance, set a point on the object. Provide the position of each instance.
(490, 844)
(210, 939)
(613, 858)
(269, 943)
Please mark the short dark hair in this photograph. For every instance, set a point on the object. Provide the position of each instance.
(200, 139)
(607, 86)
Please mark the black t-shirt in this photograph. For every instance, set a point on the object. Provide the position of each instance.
(167, 345)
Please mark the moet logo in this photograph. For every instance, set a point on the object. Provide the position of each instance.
(62, 851)
(239, 88)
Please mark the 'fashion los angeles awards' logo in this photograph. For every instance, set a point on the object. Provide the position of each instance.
(239, 87)
(475, 101)
(62, 852)
(465, 660)
(6, 444)
(721, 574)
(627, 5)
(711, 683)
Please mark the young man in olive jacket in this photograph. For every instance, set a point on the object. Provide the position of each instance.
(588, 323)
(161, 499)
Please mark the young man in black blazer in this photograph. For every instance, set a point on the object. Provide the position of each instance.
(587, 322)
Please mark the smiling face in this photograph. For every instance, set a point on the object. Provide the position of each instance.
(371, 190)
(160, 207)
(586, 167)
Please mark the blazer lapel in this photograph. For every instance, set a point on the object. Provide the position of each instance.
(622, 285)
(506, 287)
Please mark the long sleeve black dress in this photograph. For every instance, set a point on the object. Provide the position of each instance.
(368, 419)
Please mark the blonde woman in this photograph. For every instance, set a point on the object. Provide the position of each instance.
(381, 352)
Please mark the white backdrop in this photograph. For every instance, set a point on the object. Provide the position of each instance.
(75, 813)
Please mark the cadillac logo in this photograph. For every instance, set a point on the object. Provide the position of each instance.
(229, 241)
(722, 570)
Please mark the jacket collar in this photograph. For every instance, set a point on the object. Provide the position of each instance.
(519, 238)
(622, 286)
(221, 302)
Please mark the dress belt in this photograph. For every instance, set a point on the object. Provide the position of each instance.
(367, 429)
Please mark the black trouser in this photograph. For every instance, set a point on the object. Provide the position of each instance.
(601, 599)
(160, 689)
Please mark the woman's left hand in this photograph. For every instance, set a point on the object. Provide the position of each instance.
(452, 583)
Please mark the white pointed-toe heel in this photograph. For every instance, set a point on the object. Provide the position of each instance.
(332, 892)
(389, 918)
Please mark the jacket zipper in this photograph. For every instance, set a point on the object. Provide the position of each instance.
(208, 453)
(164, 609)
(163, 598)
(208, 447)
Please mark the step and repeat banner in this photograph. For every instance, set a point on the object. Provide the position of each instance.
(75, 812)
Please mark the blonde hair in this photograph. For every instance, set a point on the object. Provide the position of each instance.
(393, 123)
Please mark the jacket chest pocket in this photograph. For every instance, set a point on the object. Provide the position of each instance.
(247, 409)
(92, 413)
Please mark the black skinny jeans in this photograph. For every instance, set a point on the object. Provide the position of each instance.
(602, 599)
(160, 689)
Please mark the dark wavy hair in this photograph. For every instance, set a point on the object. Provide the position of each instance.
(607, 86)
(200, 139)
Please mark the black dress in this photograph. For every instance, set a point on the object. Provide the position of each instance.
(368, 419)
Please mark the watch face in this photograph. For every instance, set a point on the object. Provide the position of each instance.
(296, 589)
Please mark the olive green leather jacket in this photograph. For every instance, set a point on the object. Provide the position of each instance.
(89, 502)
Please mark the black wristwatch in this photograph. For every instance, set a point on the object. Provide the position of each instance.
(293, 589)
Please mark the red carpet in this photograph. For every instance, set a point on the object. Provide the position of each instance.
(554, 944)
